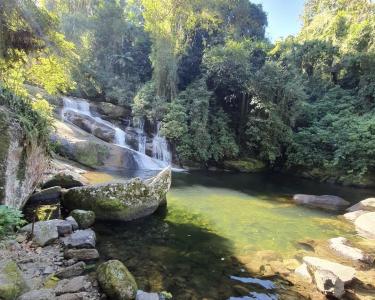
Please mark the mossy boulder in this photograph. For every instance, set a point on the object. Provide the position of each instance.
(121, 201)
(246, 165)
(12, 284)
(84, 218)
(116, 280)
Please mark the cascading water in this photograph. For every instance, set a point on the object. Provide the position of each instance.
(139, 125)
(144, 162)
(160, 148)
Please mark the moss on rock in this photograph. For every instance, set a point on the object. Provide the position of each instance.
(247, 165)
(12, 283)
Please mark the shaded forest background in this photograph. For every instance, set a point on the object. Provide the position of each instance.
(205, 69)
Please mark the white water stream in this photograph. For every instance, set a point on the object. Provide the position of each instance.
(161, 155)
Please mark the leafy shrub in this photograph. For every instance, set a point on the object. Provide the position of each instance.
(10, 220)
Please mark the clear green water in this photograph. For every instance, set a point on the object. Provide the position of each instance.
(192, 248)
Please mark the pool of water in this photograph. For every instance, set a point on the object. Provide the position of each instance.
(195, 247)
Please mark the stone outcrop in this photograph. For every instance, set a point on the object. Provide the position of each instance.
(365, 225)
(113, 111)
(21, 164)
(116, 280)
(121, 201)
(327, 202)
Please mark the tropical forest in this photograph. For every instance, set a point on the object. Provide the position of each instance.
(187, 149)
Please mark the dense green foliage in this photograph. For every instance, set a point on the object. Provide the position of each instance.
(10, 220)
(205, 70)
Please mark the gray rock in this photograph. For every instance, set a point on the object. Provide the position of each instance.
(80, 239)
(75, 296)
(43, 294)
(329, 284)
(12, 283)
(64, 180)
(352, 216)
(71, 271)
(47, 196)
(45, 232)
(341, 247)
(82, 254)
(116, 281)
(345, 273)
(367, 205)
(121, 201)
(74, 285)
(141, 295)
(73, 222)
(84, 218)
(365, 225)
(327, 202)
(64, 228)
(113, 111)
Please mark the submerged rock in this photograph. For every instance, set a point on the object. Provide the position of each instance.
(325, 202)
(345, 273)
(341, 247)
(365, 225)
(329, 284)
(12, 284)
(121, 201)
(84, 218)
(364, 205)
(116, 280)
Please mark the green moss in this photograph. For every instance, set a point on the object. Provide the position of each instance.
(91, 154)
(4, 145)
(12, 284)
(247, 165)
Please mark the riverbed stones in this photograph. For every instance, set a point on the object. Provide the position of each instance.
(45, 232)
(43, 294)
(345, 273)
(12, 283)
(365, 225)
(341, 247)
(71, 271)
(121, 201)
(73, 222)
(84, 218)
(327, 202)
(141, 295)
(366, 205)
(328, 283)
(74, 285)
(82, 254)
(64, 228)
(80, 239)
(116, 280)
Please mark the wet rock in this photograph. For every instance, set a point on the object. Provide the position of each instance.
(141, 295)
(121, 201)
(82, 254)
(73, 222)
(43, 294)
(329, 284)
(352, 216)
(303, 272)
(84, 218)
(74, 285)
(80, 239)
(365, 225)
(116, 281)
(367, 205)
(113, 111)
(64, 180)
(241, 290)
(45, 232)
(341, 247)
(327, 202)
(71, 271)
(345, 273)
(12, 283)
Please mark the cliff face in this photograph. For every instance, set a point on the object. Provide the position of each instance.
(21, 164)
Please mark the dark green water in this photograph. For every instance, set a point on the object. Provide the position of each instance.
(194, 246)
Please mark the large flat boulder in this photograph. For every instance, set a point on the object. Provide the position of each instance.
(21, 164)
(45, 232)
(327, 202)
(365, 225)
(345, 273)
(366, 205)
(121, 201)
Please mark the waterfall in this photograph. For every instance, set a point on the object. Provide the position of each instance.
(139, 125)
(82, 107)
(160, 148)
